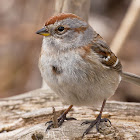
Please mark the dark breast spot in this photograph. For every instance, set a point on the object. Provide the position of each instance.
(56, 70)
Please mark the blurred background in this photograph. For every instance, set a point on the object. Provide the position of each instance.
(20, 46)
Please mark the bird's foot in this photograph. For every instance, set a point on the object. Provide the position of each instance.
(93, 123)
(60, 121)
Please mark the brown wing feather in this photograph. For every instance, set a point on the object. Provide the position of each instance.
(108, 58)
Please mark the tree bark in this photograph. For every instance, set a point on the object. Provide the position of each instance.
(23, 117)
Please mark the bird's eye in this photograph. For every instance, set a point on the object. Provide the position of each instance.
(60, 29)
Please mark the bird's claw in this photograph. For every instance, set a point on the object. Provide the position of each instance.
(93, 123)
(60, 120)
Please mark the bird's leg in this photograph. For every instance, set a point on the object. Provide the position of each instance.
(61, 119)
(96, 122)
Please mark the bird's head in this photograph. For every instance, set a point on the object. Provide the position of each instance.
(67, 29)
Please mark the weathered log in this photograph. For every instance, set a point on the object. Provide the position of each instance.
(23, 117)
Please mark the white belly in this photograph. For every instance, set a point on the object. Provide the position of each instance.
(76, 81)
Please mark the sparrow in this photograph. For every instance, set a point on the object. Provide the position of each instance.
(78, 65)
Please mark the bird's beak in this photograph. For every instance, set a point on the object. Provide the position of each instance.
(43, 32)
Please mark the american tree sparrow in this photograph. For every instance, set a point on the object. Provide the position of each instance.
(78, 65)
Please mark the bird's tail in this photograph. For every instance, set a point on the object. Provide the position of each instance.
(135, 79)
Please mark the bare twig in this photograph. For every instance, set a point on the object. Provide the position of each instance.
(78, 7)
(55, 122)
(126, 26)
